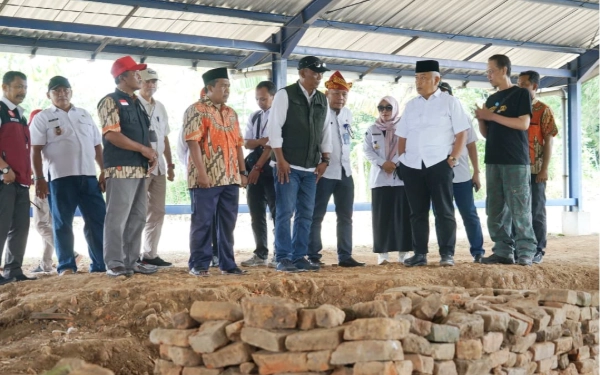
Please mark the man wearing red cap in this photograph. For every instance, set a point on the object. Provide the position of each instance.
(128, 158)
(337, 179)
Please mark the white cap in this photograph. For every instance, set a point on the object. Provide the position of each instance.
(148, 74)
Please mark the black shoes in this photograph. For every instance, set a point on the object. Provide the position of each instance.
(22, 277)
(6, 280)
(497, 259)
(286, 265)
(304, 265)
(447, 260)
(416, 260)
(477, 258)
(156, 262)
(524, 260)
(316, 263)
(351, 262)
(538, 257)
(235, 272)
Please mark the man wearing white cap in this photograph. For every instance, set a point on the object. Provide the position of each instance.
(156, 183)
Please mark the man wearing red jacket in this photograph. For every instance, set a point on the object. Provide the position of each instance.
(15, 176)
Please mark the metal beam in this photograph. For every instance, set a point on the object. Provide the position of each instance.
(116, 49)
(290, 34)
(568, 3)
(584, 63)
(155, 36)
(574, 138)
(200, 9)
(412, 60)
(446, 36)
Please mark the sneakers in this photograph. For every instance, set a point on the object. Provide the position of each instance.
(497, 259)
(144, 269)
(116, 272)
(538, 257)
(304, 265)
(477, 258)
(6, 280)
(402, 256)
(524, 260)
(199, 272)
(254, 261)
(272, 263)
(447, 260)
(234, 271)
(67, 271)
(286, 265)
(316, 262)
(156, 262)
(39, 269)
(383, 258)
(416, 260)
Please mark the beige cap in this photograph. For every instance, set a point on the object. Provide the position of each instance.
(148, 74)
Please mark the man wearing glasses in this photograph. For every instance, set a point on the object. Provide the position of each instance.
(15, 176)
(432, 134)
(69, 142)
(504, 121)
(300, 137)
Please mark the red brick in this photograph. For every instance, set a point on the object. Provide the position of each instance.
(270, 312)
(557, 315)
(231, 355)
(200, 370)
(473, 367)
(586, 366)
(203, 311)
(184, 356)
(443, 333)
(499, 358)
(210, 337)
(173, 337)
(444, 368)
(328, 316)
(417, 326)
(273, 341)
(375, 368)
(396, 304)
(470, 326)
(234, 331)
(539, 316)
(367, 351)
(558, 295)
(404, 367)
(550, 333)
(492, 341)
(518, 327)
(516, 315)
(542, 350)
(319, 361)
(248, 368)
(162, 367)
(572, 312)
(521, 344)
(316, 339)
(377, 329)
(307, 319)
(275, 363)
(416, 345)
(443, 352)
(373, 309)
(469, 349)
(494, 321)
(590, 326)
(427, 308)
(421, 364)
(563, 345)
(545, 365)
(579, 354)
(163, 352)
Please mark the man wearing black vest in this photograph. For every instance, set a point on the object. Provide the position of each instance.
(15, 176)
(300, 137)
(261, 189)
(128, 158)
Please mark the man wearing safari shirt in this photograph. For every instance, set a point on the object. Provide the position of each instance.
(542, 129)
(300, 137)
(337, 180)
(128, 158)
(69, 141)
(156, 183)
(503, 121)
(15, 176)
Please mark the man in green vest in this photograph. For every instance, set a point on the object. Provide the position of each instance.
(300, 137)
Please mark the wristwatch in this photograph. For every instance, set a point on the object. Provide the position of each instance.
(172, 166)
(325, 160)
(5, 169)
(453, 160)
(244, 173)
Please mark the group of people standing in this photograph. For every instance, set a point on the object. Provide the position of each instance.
(300, 157)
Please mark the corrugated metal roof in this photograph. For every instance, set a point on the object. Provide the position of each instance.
(517, 20)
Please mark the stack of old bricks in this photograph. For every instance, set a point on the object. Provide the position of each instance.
(406, 330)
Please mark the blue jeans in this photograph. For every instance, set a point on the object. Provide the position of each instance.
(216, 204)
(295, 198)
(463, 197)
(66, 193)
(343, 197)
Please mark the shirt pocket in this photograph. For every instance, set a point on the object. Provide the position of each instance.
(59, 131)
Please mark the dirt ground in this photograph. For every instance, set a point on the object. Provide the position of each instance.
(109, 319)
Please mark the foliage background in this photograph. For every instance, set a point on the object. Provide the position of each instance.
(179, 87)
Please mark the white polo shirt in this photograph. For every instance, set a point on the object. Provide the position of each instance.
(429, 127)
(159, 122)
(69, 140)
(341, 128)
(462, 172)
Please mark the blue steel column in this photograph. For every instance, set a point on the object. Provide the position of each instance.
(574, 138)
(278, 65)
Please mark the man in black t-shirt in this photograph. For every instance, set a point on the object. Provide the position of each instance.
(504, 121)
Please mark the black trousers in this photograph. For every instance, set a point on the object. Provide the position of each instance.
(538, 212)
(260, 195)
(424, 186)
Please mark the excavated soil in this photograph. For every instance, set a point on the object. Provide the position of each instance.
(109, 319)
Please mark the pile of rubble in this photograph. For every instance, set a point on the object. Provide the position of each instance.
(406, 330)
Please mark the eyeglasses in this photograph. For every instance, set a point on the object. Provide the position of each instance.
(317, 64)
(382, 108)
(489, 72)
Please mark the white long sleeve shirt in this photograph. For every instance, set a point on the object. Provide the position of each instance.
(341, 125)
(278, 116)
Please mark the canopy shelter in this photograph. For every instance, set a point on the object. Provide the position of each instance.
(376, 38)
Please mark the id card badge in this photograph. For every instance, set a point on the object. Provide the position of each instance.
(153, 136)
(346, 138)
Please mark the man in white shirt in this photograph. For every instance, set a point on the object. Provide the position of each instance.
(68, 140)
(337, 179)
(432, 134)
(261, 189)
(463, 185)
(300, 137)
(156, 183)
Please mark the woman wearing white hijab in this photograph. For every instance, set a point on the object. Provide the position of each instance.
(390, 210)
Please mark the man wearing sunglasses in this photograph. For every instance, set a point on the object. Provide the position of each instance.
(432, 134)
(300, 137)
